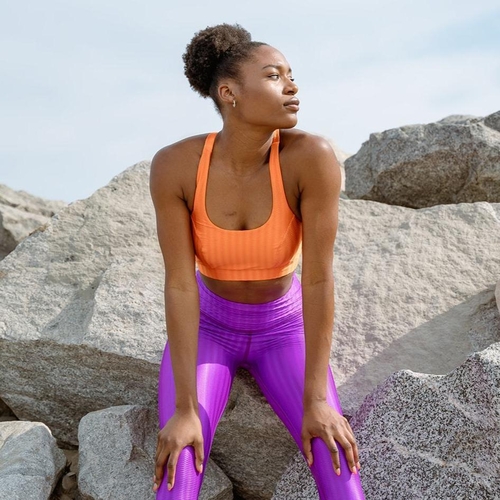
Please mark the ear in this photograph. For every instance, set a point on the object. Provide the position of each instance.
(227, 92)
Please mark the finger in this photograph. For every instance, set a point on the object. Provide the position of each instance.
(349, 454)
(355, 449)
(199, 453)
(332, 446)
(161, 458)
(306, 444)
(171, 467)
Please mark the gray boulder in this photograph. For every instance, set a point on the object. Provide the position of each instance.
(20, 214)
(454, 160)
(82, 317)
(30, 462)
(116, 462)
(424, 436)
(82, 325)
(429, 436)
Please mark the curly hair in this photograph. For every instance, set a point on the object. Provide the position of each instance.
(214, 53)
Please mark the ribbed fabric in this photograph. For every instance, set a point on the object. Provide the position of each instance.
(266, 252)
(268, 340)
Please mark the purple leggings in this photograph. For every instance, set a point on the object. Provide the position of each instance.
(268, 340)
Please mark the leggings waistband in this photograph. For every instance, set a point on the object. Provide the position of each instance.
(254, 317)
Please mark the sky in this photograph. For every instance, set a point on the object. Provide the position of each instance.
(90, 87)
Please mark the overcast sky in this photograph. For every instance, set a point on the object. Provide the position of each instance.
(90, 87)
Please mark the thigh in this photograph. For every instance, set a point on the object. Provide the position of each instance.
(214, 375)
(280, 373)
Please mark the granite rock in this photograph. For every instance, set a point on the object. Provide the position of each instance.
(82, 320)
(424, 436)
(431, 436)
(30, 462)
(20, 214)
(454, 160)
(116, 461)
(82, 325)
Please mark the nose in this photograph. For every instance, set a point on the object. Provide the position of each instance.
(292, 87)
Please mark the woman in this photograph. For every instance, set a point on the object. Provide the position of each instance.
(242, 203)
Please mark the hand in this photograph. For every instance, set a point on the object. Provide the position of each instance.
(321, 420)
(183, 429)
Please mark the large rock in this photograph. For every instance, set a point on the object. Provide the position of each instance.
(30, 462)
(117, 449)
(424, 436)
(454, 160)
(20, 214)
(414, 290)
(82, 324)
(428, 436)
(82, 318)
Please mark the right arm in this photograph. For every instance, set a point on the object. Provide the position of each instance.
(182, 309)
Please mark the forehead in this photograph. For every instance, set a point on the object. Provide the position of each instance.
(266, 55)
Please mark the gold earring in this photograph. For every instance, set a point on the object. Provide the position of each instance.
(234, 103)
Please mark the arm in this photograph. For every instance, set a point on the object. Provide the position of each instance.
(320, 185)
(181, 306)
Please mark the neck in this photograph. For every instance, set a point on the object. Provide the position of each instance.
(244, 150)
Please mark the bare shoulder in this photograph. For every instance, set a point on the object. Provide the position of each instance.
(309, 156)
(174, 167)
(305, 145)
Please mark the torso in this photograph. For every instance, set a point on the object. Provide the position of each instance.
(238, 202)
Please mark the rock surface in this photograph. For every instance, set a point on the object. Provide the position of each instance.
(454, 160)
(438, 435)
(20, 214)
(117, 449)
(30, 462)
(82, 324)
(424, 436)
(82, 307)
(497, 294)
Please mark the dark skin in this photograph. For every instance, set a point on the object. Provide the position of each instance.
(239, 197)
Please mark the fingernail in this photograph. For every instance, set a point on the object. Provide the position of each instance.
(359, 465)
(338, 471)
(169, 486)
(354, 471)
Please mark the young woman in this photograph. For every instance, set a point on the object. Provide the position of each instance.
(243, 203)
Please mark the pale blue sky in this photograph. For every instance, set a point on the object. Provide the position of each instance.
(89, 88)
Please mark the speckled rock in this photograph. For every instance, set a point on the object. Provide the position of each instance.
(117, 449)
(30, 462)
(439, 436)
(424, 436)
(20, 214)
(454, 160)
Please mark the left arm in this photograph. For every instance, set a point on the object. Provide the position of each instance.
(319, 202)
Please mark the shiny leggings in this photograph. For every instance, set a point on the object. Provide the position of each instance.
(268, 340)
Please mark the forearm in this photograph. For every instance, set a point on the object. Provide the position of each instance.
(318, 311)
(183, 314)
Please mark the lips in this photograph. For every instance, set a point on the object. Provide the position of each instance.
(292, 104)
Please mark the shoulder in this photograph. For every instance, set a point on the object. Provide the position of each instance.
(303, 145)
(174, 165)
(311, 157)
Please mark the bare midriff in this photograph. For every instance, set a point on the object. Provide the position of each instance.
(249, 292)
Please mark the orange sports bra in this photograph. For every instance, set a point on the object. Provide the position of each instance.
(266, 252)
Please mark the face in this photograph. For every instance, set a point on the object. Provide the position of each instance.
(265, 93)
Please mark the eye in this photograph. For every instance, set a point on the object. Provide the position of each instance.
(291, 79)
(274, 75)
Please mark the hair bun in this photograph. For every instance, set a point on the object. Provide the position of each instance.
(205, 51)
